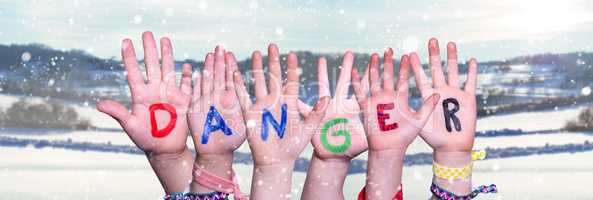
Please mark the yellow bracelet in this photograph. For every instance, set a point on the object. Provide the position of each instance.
(453, 174)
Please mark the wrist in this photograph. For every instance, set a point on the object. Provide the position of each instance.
(172, 169)
(325, 178)
(272, 181)
(384, 173)
(220, 165)
(452, 158)
(331, 162)
(168, 157)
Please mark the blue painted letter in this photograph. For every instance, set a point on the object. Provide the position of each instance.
(268, 118)
(220, 125)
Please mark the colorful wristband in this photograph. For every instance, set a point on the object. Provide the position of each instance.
(197, 196)
(218, 184)
(398, 196)
(443, 194)
(453, 174)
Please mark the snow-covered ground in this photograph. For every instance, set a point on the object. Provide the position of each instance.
(61, 174)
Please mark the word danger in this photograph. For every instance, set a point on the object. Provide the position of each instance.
(209, 127)
(335, 148)
(449, 113)
(154, 130)
(382, 117)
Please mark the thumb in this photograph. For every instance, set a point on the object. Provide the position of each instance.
(318, 112)
(114, 109)
(428, 106)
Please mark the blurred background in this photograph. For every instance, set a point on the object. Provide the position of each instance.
(57, 58)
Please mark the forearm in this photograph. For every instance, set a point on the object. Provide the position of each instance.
(453, 160)
(325, 178)
(272, 181)
(384, 173)
(172, 170)
(220, 165)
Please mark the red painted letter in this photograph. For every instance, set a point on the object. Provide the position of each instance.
(382, 117)
(153, 125)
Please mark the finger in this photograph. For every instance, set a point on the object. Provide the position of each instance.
(304, 108)
(357, 86)
(185, 85)
(452, 66)
(345, 75)
(258, 74)
(231, 63)
(292, 77)
(241, 91)
(219, 68)
(419, 75)
(428, 106)
(374, 74)
(402, 79)
(133, 73)
(114, 109)
(364, 82)
(318, 112)
(197, 86)
(472, 76)
(436, 69)
(167, 60)
(388, 69)
(207, 73)
(151, 58)
(322, 78)
(275, 75)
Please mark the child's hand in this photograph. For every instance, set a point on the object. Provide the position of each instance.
(276, 147)
(390, 123)
(162, 132)
(215, 121)
(452, 126)
(341, 135)
(160, 88)
(214, 95)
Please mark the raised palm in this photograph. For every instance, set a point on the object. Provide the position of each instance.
(390, 123)
(341, 134)
(451, 127)
(214, 94)
(276, 147)
(161, 88)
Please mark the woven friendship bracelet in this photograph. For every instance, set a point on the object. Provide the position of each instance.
(443, 194)
(197, 196)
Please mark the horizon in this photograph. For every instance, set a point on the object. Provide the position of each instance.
(424, 61)
(485, 30)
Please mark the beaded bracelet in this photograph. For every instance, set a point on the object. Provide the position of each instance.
(443, 194)
(197, 196)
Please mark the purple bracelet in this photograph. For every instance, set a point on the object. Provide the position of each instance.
(443, 194)
(197, 196)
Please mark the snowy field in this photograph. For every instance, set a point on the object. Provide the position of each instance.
(65, 174)
(61, 174)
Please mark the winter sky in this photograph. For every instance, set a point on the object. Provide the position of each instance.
(485, 29)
